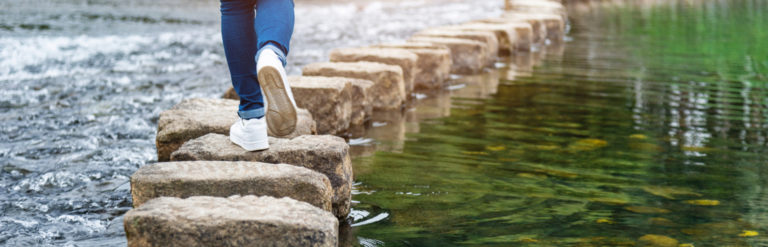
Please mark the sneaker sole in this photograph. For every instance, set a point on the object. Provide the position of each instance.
(281, 114)
(250, 146)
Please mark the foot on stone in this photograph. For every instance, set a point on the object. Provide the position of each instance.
(250, 134)
(281, 107)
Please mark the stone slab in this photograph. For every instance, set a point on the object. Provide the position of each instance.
(487, 37)
(195, 117)
(227, 178)
(233, 221)
(469, 56)
(326, 154)
(538, 28)
(512, 36)
(400, 57)
(434, 62)
(361, 106)
(388, 90)
(555, 24)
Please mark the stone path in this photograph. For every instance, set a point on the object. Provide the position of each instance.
(214, 193)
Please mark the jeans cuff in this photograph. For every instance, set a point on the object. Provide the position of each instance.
(277, 50)
(254, 113)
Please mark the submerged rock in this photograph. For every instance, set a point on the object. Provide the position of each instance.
(468, 56)
(233, 221)
(326, 154)
(487, 37)
(195, 117)
(226, 178)
(407, 60)
(657, 241)
(434, 63)
(388, 90)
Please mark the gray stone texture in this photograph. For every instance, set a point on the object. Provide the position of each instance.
(434, 62)
(468, 56)
(407, 60)
(195, 117)
(227, 178)
(326, 154)
(388, 90)
(233, 221)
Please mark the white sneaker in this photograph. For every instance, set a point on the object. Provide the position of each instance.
(250, 134)
(281, 110)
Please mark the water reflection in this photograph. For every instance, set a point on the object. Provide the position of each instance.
(634, 131)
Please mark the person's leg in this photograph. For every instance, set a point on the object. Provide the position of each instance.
(274, 25)
(274, 28)
(240, 47)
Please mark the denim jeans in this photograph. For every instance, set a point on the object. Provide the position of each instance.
(246, 33)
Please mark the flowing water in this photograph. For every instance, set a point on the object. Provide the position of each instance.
(648, 120)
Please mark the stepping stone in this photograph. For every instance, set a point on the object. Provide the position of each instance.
(469, 56)
(325, 154)
(226, 178)
(388, 90)
(196, 117)
(547, 7)
(361, 107)
(434, 63)
(233, 221)
(487, 37)
(405, 59)
(512, 36)
(538, 28)
(554, 23)
(333, 101)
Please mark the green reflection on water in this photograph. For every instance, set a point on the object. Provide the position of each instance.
(651, 121)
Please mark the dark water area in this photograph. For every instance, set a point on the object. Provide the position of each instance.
(650, 119)
(83, 83)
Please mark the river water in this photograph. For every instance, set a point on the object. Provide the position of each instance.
(648, 120)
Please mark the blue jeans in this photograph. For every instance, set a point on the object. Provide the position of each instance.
(245, 35)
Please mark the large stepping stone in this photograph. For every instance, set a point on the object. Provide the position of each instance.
(512, 36)
(388, 90)
(326, 154)
(434, 63)
(487, 37)
(335, 102)
(469, 56)
(554, 23)
(226, 178)
(233, 221)
(306, 91)
(196, 117)
(405, 59)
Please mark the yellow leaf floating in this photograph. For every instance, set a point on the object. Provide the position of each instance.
(588, 144)
(646, 210)
(686, 245)
(669, 192)
(528, 240)
(604, 221)
(747, 233)
(474, 153)
(496, 148)
(546, 147)
(703, 202)
(638, 137)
